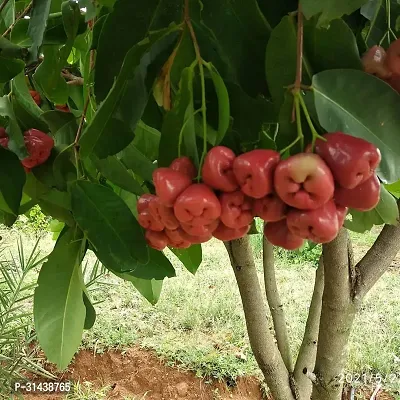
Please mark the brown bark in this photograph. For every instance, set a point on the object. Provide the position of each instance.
(337, 316)
(262, 342)
(308, 350)
(275, 304)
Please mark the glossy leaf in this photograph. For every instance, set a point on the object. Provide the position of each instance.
(59, 310)
(16, 143)
(123, 108)
(191, 258)
(337, 100)
(62, 125)
(116, 172)
(150, 289)
(223, 103)
(90, 317)
(147, 140)
(37, 26)
(328, 9)
(387, 208)
(12, 179)
(113, 231)
(10, 67)
(394, 189)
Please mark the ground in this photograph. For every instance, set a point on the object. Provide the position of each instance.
(196, 333)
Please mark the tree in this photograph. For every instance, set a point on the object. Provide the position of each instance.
(117, 88)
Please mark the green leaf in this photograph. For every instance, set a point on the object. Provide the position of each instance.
(59, 310)
(90, 317)
(16, 143)
(280, 63)
(147, 140)
(64, 170)
(12, 179)
(329, 9)
(331, 48)
(112, 229)
(62, 125)
(37, 26)
(7, 219)
(223, 102)
(70, 16)
(394, 189)
(117, 38)
(337, 100)
(10, 67)
(115, 171)
(123, 108)
(134, 160)
(387, 208)
(91, 8)
(191, 258)
(7, 15)
(149, 289)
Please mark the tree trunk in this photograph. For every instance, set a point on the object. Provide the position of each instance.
(337, 316)
(275, 304)
(262, 342)
(308, 350)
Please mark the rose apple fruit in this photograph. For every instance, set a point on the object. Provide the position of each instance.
(156, 240)
(39, 146)
(147, 221)
(236, 209)
(169, 184)
(144, 201)
(254, 171)
(225, 233)
(352, 160)
(363, 197)
(163, 214)
(197, 205)
(374, 62)
(177, 238)
(270, 208)
(320, 225)
(200, 230)
(393, 57)
(217, 170)
(304, 181)
(185, 166)
(279, 234)
(341, 213)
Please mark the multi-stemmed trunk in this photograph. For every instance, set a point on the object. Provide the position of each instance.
(340, 286)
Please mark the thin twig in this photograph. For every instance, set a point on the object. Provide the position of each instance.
(20, 16)
(5, 2)
(300, 32)
(72, 79)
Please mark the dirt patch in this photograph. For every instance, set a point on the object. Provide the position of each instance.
(140, 373)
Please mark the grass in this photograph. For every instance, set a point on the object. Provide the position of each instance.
(198, 323)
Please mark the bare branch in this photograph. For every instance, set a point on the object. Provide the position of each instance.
(308, 349)
(262, 342)
(71, 78)
(275, 304)
(377, 260)
(337, 316)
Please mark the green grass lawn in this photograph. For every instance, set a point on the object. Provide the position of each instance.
(198, 323)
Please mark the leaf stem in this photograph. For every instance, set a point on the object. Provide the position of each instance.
(20, 16)
(300, 35)
(182, 130)
(202, 79)
(300, 136)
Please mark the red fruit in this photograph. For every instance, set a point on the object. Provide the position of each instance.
(279, 235)
(4, 142)
(217, 169)
(236, 209)
(270, 208)
(225, 233)
(156, 240)
(198, 239)
(147, 221)
(39, 146)
(393, 57)
(352, 160)
(200, 230)
(254, 171)
(3, 133)
(394, 82)
(169, 184)
(185, 166)
(197, 205)
(62, 107)
(163, 214)
(144, 201)
(374, 62)
(177, 238)
(304, 181)
(364, 197)
(320, 225)
(341, 213)
(35, 96)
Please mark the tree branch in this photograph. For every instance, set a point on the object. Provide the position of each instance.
(20, 16)
(275, 304)
(72, 79)
(262, 342)
(3, 5)
(337, 316)
(377, 260)
(308, 350)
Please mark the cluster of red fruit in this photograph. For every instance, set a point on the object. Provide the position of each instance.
(303, 197)
(37, 143)
(384, 64)
(38, 100)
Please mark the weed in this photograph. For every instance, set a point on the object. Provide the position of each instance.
(86, 391)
